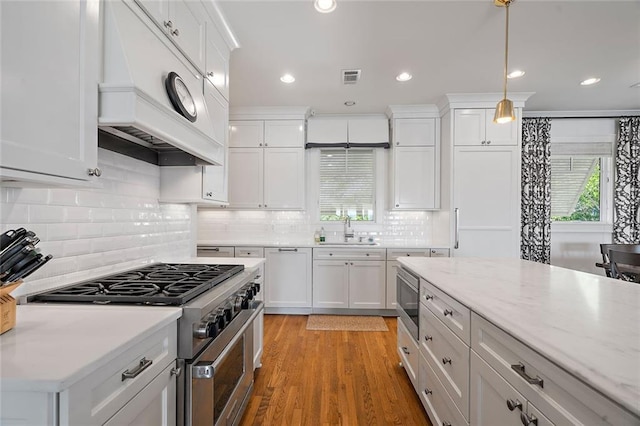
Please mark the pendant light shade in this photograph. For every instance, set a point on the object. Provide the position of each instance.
(504, 109)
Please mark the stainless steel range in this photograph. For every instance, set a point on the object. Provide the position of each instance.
(215, 331)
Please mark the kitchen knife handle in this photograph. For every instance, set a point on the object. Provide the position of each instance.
(31, 269)
(11, 236)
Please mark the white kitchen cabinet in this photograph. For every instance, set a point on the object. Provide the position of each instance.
(435, 399)
(349, 284)
(476, 127)
(352, 130)
(486, 194)
(266, 164)
(217, 60)
(409, 354)
(48, 131)
(331, 284)
(392, 269)
(215, 251)
(288, 278)
(184, 24)
(415, 164)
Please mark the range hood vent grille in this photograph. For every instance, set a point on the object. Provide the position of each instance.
(351, 76)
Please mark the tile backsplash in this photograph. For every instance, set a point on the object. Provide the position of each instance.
(96, 231)
(293, 227)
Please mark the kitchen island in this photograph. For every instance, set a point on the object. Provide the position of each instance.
(581, 330)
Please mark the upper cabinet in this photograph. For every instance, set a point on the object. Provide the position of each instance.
(352, 130)
(49, 122)
(267, 133)
(476, 127)
(217, 61)
(414, 132)
(183, 22)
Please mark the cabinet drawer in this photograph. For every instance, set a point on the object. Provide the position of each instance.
(215, 251)
(440, 408)
(349, 254)
(448, 357)
(561, 397)
(393, 254)
(452, 313)
(409, 353)
(249, 252)
(105, 391)
(439, 252)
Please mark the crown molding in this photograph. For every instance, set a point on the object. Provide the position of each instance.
(269, 113)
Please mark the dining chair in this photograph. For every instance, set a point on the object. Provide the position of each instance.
(606, 248)
(625, 265)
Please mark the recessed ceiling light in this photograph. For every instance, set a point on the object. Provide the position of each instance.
(350, 103)
(590, 81)
(287, 78)
(515, 74)
(404, 76)
(325, 6)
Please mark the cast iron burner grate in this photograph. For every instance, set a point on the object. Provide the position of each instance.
(158, 284)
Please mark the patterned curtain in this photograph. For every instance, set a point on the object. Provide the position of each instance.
(535, 233)
(626, 202)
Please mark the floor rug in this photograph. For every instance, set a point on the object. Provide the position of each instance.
(346, 323)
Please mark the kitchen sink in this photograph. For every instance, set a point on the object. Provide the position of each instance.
(348, 243)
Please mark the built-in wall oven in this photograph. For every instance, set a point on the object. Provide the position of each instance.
(408, 298)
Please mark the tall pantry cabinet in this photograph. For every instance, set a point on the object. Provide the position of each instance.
(480, 213)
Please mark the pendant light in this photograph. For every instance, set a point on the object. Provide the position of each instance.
(504, 109)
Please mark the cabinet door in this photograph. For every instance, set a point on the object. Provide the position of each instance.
(330, 284)
(217, 60)
(245, 177)
(501, 134)
(284, 133)
(215, 178)
(249, 134)
(288, 277)
(368, 130)
(469, 126)
(486, 192)
(490, 394)
(157, 9)
(414, 178)
(188, 30)
(327, 130)
(367, 286)
(49, 121)
(392, 270)
(414, 132)
(409, 353)
(153, 405)
(284, 178)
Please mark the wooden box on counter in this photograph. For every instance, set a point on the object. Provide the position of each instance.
(7, 307)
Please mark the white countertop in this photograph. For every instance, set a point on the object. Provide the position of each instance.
(248, 262)
(53, 346)
(587, 324)
(311, 244)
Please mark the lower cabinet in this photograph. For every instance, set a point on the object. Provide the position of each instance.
(358, 284)
(392, 269)
(409, 353)
(258, 325)
(288, 277)
(439, 406)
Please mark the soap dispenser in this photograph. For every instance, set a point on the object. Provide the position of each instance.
(322, 235)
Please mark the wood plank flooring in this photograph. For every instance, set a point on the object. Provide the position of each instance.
(311, 377)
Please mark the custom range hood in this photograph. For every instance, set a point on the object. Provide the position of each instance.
(134, 103)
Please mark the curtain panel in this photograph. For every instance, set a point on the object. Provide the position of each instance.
(626, 202)
(535, 231)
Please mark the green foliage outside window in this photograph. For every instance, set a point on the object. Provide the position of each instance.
(588, 205)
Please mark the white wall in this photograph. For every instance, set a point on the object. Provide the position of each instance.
(96, 231)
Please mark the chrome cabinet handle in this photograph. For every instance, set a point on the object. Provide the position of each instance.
(287, 249)
(210, 74)
(448, 312)
(456, 218)
(143, 365)
(483, 142)
(427, 338)
(175, 32)
(168, 24)
(488, 142)
(406, 350)
(519, 368)
(209, 194)
(512, 405)
(446, 360)
(528, 419)
(428, 297)
(397, 205)
(94, 172)
(428, 391)
(445, 423)
(176, 371)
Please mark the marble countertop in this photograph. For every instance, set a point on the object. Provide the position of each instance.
(312, 244)
(587, 324)
(52, 346)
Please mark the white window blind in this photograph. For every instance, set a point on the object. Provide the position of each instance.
(347, 184)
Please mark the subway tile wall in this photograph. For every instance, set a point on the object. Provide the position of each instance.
(293, 227)
(96, 231)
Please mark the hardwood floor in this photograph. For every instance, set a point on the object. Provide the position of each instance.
(330, 378)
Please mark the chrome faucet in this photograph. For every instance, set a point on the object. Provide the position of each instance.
(348, 232)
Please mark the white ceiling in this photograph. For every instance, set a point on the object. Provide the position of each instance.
(450, 46)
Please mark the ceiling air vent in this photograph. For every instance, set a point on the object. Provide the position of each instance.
(350, 76)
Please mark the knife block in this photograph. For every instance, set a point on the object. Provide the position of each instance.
(8, 306)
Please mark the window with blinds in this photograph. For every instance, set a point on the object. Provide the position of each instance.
(347, 184)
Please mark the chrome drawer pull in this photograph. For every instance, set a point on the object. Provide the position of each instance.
(448, 312)
(428, 391)
(176, 371)
(445, 423)
(512, 405)
(427, 338)
(446, 360)
(528, 420)
(428, 297)
(519, 368)
(406, 350)
(287, 249)
(144, 364)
